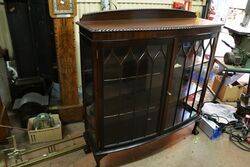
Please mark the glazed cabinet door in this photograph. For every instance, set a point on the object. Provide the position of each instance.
(188, 78)
(134, 79)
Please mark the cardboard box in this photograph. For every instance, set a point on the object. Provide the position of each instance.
(229, 91)
(45, 135)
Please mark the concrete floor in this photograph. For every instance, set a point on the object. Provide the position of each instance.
(178, 150)
(181, 149)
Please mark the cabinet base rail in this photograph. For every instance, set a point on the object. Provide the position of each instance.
(99, 154)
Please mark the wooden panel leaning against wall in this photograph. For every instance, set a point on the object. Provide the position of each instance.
(62, 14)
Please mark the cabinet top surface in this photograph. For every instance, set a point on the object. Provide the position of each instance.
(143, 20)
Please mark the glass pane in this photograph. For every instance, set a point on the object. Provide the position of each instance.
(179, 84)
(111, 85)
(157, 79)
(189, 73)
(129, 70)
(204, 68)
(112, 68)
(174, 87)
(87, 88)
(129, 66)
(142, 87)
(132, 91)
(111, 98)
(87, 76)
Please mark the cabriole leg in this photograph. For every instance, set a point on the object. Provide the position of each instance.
(86, 148)
(195, 130)
(98, 159)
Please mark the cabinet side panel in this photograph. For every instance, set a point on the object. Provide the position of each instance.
(88, 89)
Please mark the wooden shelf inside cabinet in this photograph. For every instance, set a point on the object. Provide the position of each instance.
(198, 63)
(184, 114)
(192, 90)
(131, 77)
(135, 57)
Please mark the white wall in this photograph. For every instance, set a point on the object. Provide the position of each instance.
(241, 4)
(89, 6)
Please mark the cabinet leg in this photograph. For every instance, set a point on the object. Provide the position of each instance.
(195, 130)
(219, 87)
(98, 159)
(86, 149)
(98, 164)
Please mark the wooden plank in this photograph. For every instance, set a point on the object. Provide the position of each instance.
(66, 60)
(69, 114)
(73, 114)
(63, 13)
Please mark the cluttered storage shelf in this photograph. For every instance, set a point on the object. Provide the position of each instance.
(144, 74)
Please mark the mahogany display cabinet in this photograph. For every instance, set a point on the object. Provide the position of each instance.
(144, 75)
